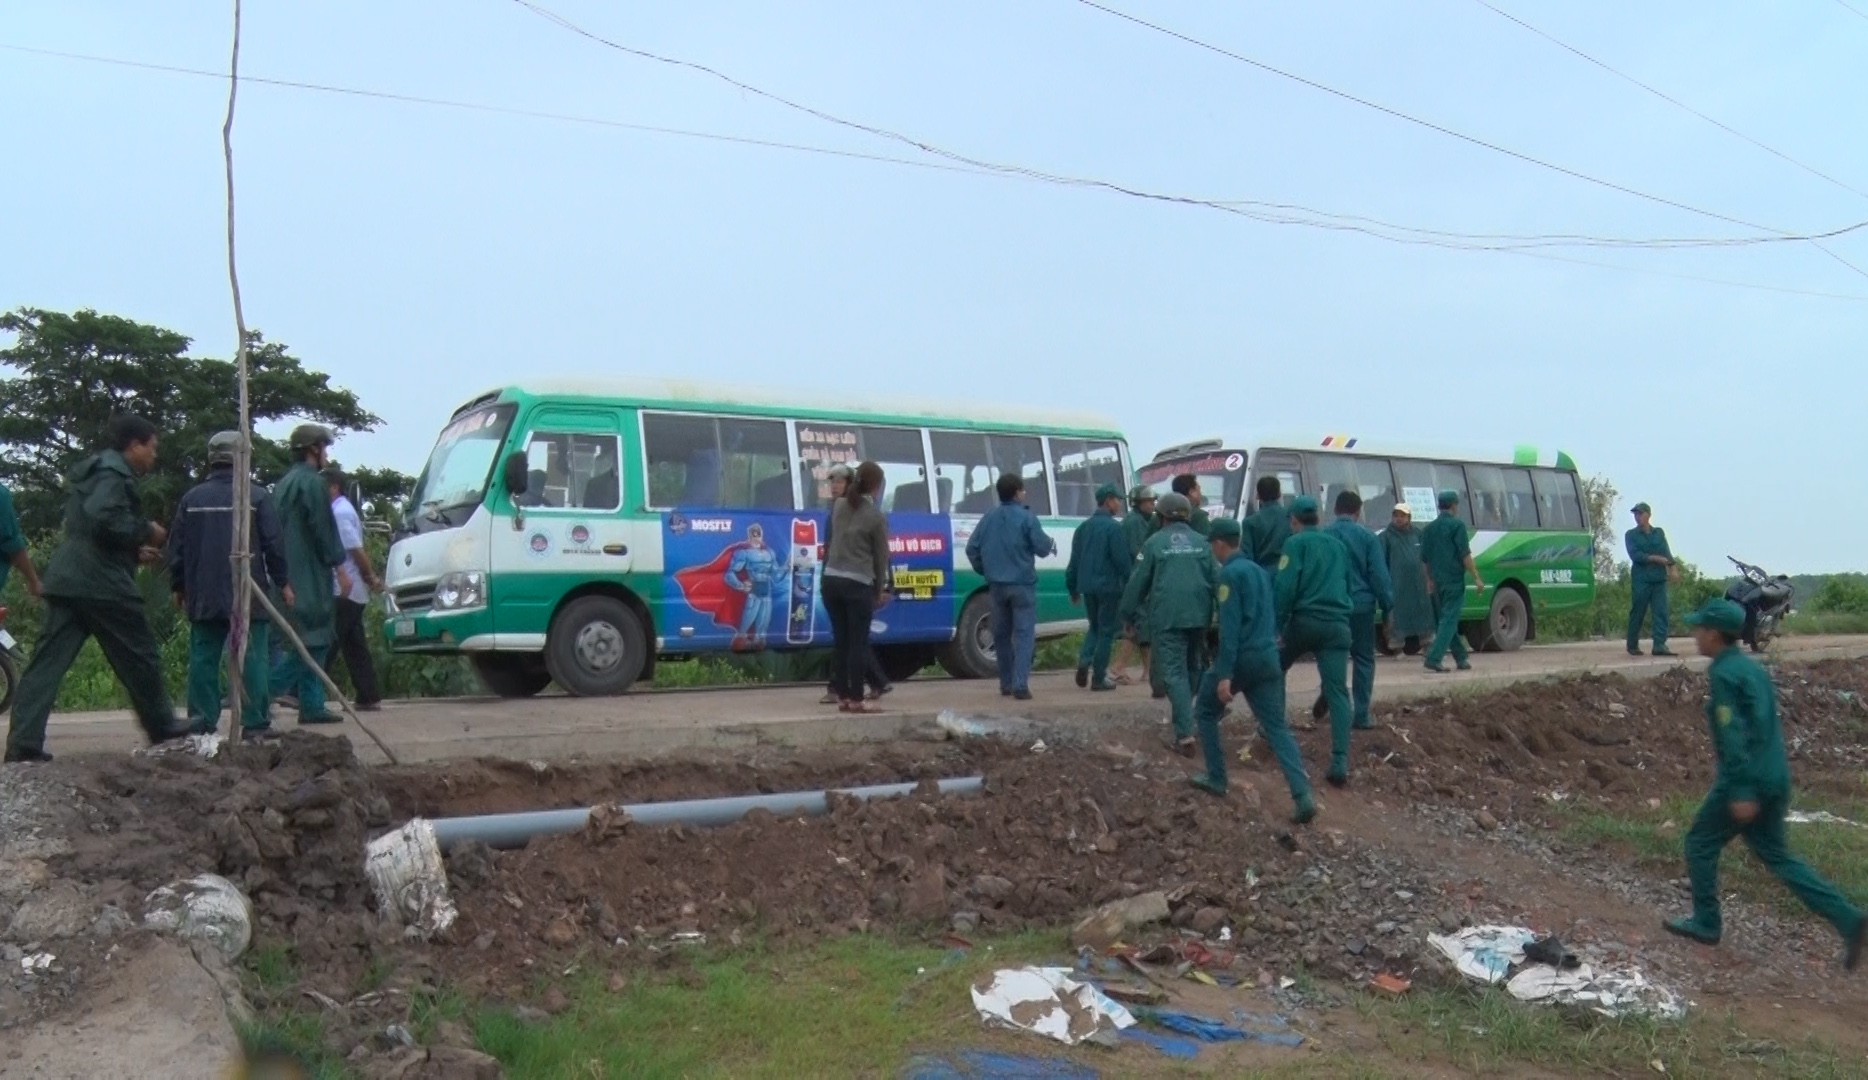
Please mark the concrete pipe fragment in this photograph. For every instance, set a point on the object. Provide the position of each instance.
(515, 830)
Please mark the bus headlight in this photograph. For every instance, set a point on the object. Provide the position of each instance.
(461, 590)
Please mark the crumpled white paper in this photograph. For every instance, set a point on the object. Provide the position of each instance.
(1049, 1002)
(1488, 953)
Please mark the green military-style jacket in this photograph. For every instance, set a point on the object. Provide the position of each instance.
(1444, 548)
(1172, 587)
(1248, 618)
(1313, 579)
(1099, 557)
(1643, 544)
(1265, 534)
(105, 530)
(312, 550)
(1742, 714)
(1137, 527)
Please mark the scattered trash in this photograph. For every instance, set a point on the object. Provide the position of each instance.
(1178, 1048)
(1286, 983)
(688, 937)
(400, 1035)
(1039, 747)
(1819, 817)
(1484, 953)
(984, 1065)
(410, 880)
(1049, 1002)
(967, 727)
(1616, 708)
(1225, 935)
(1106, 925)
(203, 746)
(37, 962)
(207, 909)
(1392, 985)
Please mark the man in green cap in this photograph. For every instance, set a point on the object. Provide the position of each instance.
(1313, 604)
(1095, 576)
(1137, 527)
(1247, 664)
(1370, 590)
(1751, 791)
(1651, 562)
(90, 592)
(314, 551)
(1266, 530)
(1446, 556)
(1171, 591)
(1410, 618)
(201, 576)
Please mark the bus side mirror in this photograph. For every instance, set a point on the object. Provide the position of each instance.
(518, 474)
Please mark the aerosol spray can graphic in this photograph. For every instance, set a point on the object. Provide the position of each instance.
(801, 626)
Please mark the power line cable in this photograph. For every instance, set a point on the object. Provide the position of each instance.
(1431, 126)
(1267, 212)
(1857, 12)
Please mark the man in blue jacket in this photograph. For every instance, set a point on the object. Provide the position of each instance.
(201, 576)
(1005, 549)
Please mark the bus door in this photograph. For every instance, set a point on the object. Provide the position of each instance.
(1287, 466)
(568, 526)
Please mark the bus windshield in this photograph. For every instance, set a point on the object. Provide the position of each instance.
(455, 479)
(1222, 485)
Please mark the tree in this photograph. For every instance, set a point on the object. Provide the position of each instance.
(384, 493)
(76, 371)
(1845, 594)
(1599, 498)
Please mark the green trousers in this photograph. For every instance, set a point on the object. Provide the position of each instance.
(129, 646)
(1714, 828)
(1179, 661)
(1260, 681)
(207, 643)
(1362, 666)
(1447, 605)
(1649, 596)
(1329, 641)
(1105, 615)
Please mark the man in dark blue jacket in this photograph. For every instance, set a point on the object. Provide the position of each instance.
(1005, 549)
(201, 575)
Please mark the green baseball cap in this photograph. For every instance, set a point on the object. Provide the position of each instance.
(1225, 529)
(1721, 615)
(1107, 492)
(1305, 504)
(1449, 497)
(1643, 508)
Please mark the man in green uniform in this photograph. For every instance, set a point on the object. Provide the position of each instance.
(1187, 486)
(1369, 591)
(314, 551)
(1171, 591)
(1096, 575)
(90, 592)
(1266, 530)
(1446, 556)
(1137, 527)
(14, 554)
(1248, 664)
(1751, 793)
(1313, 607)
(1651, 562)
(1410, 618)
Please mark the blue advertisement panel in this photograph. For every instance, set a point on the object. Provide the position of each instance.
(750, 580)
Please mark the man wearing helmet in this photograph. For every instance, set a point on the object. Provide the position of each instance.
(1138, 526)
(201, 576)
(1171, 592)
(314, 552)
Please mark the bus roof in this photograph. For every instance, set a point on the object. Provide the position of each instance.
(691, 393)
(1521, 455)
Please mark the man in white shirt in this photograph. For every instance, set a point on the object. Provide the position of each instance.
(354, 582)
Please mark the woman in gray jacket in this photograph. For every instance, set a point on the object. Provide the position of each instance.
(856, 579)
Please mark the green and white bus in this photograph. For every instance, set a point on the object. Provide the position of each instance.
(577, 531)
(1531, 538)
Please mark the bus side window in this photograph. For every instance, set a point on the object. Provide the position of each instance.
(683, 458)
(1558, 504)
(1081, 466)
(964, 470)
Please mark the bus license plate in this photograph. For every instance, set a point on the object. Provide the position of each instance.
(405, 628)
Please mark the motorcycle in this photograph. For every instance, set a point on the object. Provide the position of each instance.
(9, 664)
(1766, 601)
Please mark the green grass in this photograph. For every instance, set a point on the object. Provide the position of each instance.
(299, 1035)
(1656, 837)
(1826, 622)
(1485, 1031)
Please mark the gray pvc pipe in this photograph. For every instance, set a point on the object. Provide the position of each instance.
(514, 830)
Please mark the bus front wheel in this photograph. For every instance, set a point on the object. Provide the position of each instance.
(511, 675)
(970, 654)
(596, 647)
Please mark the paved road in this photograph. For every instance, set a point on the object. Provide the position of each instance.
(644, 724)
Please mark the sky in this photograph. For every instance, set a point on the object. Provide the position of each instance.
(418, 253)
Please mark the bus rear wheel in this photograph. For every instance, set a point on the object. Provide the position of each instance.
(970, 655)
(511, 675)
(1507, 625)
(596, 647)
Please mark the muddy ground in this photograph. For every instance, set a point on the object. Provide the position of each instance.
(1451, 819)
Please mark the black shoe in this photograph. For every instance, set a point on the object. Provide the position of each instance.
(1105, 685)
(1021, 695)
(27, 757)
(258, 734)
(1463, 665)
(1336, 779)
(1391, 653)
(1209, 785)
(1852, 957)
(1305, 812)
(1364, 727)
(1692, 931)
(1083, 677)
(1636, 652)
(1664, 652)
(1160, 695)
(369, 706)
(1320, 709)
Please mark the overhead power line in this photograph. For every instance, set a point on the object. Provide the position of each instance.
(1853, 10)
(1432, 126)
(1267, 212)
